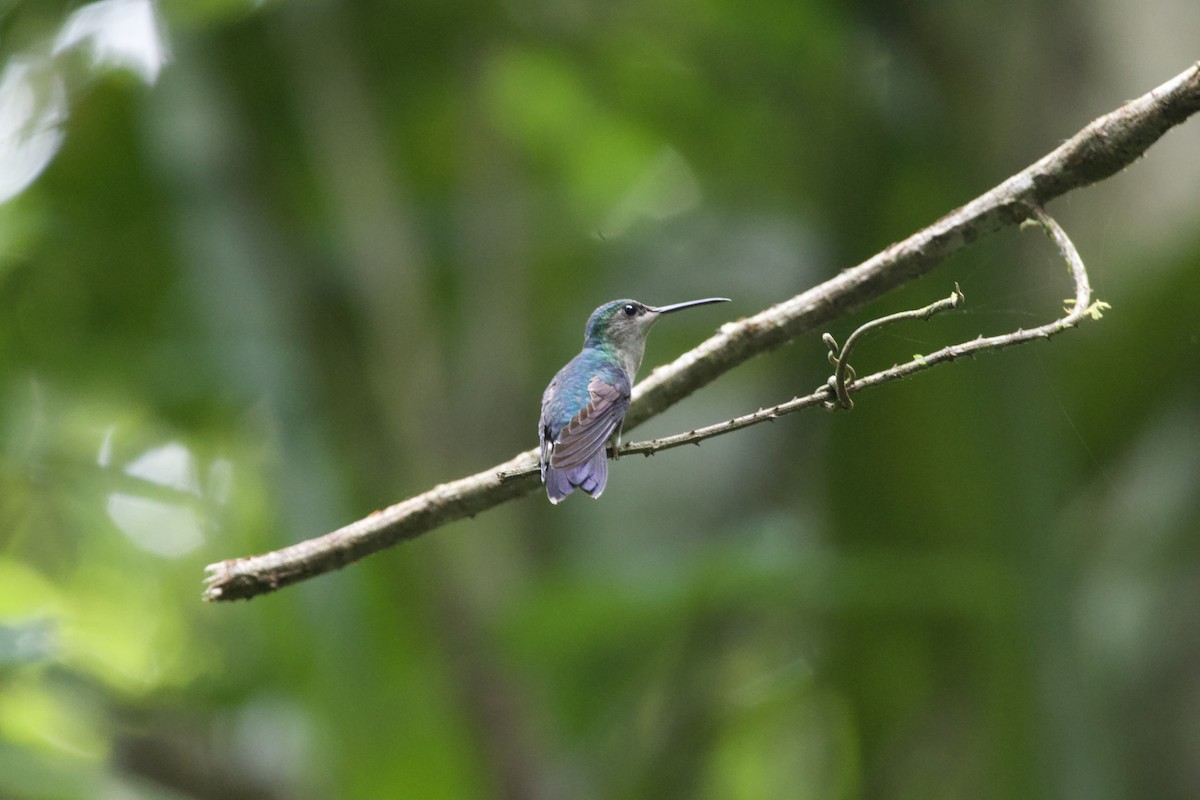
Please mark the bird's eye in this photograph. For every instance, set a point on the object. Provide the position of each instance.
(630, 310)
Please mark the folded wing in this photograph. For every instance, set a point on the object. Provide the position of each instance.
(575, 457)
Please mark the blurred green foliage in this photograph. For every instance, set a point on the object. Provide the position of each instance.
(265, 267)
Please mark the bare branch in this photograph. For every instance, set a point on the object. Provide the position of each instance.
(1100, 149)
(836, 392)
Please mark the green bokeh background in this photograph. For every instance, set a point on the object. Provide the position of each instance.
(330, 254)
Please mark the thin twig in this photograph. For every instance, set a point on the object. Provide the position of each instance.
(1102, 148)
(1077, 309)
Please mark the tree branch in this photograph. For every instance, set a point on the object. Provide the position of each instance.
(835, 393)
(1099, 150)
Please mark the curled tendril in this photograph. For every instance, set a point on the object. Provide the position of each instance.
(843, 374)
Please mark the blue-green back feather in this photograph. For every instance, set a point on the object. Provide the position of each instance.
(582, 408)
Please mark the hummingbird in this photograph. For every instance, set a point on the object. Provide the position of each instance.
(584, 406)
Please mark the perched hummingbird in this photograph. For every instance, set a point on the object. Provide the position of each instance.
(584, 405)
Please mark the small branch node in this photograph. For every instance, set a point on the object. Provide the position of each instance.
(1096, 310)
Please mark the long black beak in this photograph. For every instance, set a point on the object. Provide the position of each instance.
(689, 304)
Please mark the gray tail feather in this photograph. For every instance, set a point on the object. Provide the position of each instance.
(590, 477)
